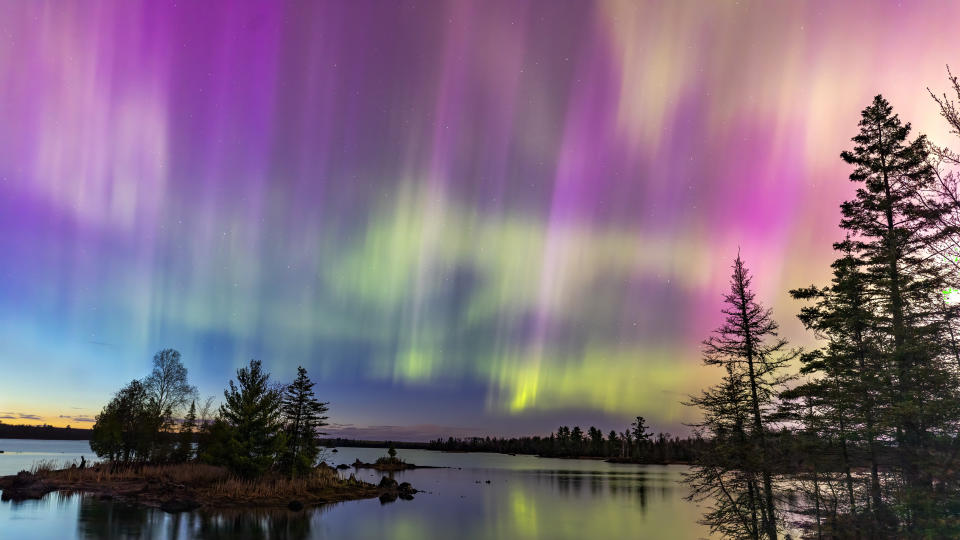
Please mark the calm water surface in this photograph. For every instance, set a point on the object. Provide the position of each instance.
(526, 498)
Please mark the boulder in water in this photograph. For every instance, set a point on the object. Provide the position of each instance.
(388, 483)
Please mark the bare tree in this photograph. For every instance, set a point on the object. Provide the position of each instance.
(167, 384)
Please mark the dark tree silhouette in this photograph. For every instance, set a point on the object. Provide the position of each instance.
(125, 430)
(851, 390)
(250, 434)
(747, 346)
(640, 431)
(304, 416)
(167, 384)
(893, 222)
(184, 451)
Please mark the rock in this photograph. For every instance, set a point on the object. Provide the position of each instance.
(388, 483)
(488, 481)
(334, 450)
(295, 506)
(406, 488)
(387, 498)
(23, 486)
(175, 506)
(343, 466)
(406, 496)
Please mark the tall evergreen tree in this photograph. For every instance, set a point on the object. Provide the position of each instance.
(252, 412)
(892, 223)
(304, 416)
(748, 347)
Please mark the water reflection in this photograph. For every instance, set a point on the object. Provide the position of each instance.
(632, 487)
(503, 497)
(97, 519)
(105, 519)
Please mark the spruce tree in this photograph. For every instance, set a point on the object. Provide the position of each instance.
(893, 223)
(748, 347)
(303, 415)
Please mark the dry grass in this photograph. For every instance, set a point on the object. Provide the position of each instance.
(320, 479)
(211, 485)
(184, 473)
(44, 466)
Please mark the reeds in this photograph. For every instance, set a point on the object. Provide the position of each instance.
(182, 473)
(44, 466)
(280, 486)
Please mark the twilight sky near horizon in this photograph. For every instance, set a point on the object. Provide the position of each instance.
(465, 217)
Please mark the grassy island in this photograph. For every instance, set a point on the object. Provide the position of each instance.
(390, 463)
(190, 486)
(260, 450)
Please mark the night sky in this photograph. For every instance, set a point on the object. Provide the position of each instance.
(461, 217)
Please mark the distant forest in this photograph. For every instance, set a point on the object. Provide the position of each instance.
(635, 445)
(9, 431)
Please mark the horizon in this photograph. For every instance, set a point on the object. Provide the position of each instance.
(470, 218)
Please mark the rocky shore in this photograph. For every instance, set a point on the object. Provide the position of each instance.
(179, 488)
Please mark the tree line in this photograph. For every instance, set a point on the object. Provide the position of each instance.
(636, 444)
(260, 427)
(874, 410)
(48, 432)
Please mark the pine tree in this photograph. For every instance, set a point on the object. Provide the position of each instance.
(893, 223)
(252, 412)
(640, 430)
(303, 415)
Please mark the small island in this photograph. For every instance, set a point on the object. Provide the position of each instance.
(259, 450)
(191, 486)
(389, 463)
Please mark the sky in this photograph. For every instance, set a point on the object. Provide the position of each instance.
(463, 218)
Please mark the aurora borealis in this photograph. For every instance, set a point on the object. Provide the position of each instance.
(461, 217)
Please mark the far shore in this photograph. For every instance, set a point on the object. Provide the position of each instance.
(333, 443)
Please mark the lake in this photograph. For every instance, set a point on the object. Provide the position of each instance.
(482, 496)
